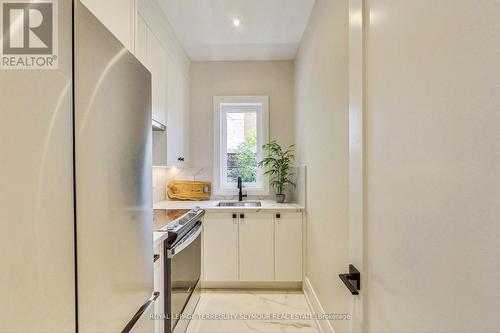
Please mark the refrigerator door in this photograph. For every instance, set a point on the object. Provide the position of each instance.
(113, 176)
(36, 192)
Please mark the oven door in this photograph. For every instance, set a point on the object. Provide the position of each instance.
(183, 272)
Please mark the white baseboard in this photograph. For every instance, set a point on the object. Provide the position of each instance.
(312, 299)
(256, 285)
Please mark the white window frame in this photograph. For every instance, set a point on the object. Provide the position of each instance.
(262, 138)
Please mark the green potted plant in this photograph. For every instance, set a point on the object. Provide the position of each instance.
(277, 164)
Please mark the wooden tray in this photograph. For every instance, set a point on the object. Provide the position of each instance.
(189, 190)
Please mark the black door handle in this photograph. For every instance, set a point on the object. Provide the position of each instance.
(353, 276)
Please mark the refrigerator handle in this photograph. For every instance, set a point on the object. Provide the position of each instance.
(141, 312)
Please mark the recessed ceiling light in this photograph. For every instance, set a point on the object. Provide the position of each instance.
(236, 22)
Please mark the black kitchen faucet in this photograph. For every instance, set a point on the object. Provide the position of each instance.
(240, 187)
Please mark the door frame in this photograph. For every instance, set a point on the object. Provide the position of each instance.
(357, 19)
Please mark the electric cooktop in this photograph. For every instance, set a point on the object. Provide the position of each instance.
(163, 217)
(176, 223)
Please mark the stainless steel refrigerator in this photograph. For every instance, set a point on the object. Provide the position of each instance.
(76, 184)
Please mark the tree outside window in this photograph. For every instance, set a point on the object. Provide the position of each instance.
(242, 160)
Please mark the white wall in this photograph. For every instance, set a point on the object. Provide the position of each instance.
(433, 166)
(321, 88)
(226, 78)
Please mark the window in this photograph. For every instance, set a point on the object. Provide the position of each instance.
(241, 127)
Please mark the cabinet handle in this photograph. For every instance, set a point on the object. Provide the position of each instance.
(278, 215)
(242, 216)
(234, 215)
(180, 159)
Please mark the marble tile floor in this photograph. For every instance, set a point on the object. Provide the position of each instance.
(251, 311)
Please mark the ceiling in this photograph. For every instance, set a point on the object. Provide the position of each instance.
(269, 29)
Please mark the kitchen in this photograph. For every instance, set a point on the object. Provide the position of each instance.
(238, 166)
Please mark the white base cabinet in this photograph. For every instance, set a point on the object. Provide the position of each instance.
(288, 246)
(252, 247)
(159, 282)
(256, 245)
(220, 247)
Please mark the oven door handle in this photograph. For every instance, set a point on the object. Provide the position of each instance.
(185, 243)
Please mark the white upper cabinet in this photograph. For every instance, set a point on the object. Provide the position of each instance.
(150, 51)
(158, 49)
(118, 16)
(157, 64)
(177, 115)
(141, 27)
(141, 41)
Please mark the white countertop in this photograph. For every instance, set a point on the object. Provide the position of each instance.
(211, 205)
(159, 237)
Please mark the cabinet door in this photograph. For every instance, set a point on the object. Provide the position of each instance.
(141, 41)
(220, 247)
(175, 114)
(157, 58)
(118, 16)
(256, 247)
(288, 246)
(186, 120)
(159, 281)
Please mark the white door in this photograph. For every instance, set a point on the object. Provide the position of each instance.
(220, 247)
(432, 166)
(288, 246)
(256, 247)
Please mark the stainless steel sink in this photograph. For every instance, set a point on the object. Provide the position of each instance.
(239, 204)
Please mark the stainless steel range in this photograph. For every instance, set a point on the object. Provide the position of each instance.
(182, 267)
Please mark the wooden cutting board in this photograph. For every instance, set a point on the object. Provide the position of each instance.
(189, 190)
